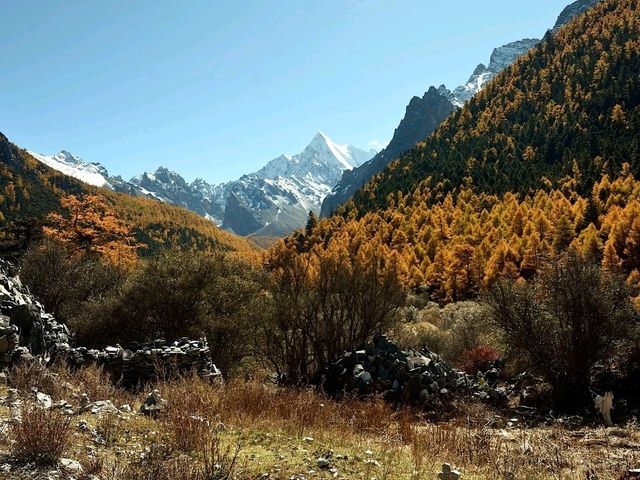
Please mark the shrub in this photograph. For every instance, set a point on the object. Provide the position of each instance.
(451, 331)
(41, 437)
(65, 282)
(571, 316)
(478, 359)
(180, 294)
(326, 301)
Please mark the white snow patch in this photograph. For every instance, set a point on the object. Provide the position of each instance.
(73, 166)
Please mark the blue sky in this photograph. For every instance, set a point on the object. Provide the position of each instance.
(215, 88)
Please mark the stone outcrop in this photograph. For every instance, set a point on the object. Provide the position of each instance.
(26, 330)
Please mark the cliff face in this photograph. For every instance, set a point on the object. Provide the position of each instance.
(422, 117)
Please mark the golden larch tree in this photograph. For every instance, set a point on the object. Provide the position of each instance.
(89, 225)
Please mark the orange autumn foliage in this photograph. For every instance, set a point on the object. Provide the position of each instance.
(458, 245)
(90, 226)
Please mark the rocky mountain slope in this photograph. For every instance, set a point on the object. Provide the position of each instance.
(573, 10)
(424, 115)
(500, 59)
(30, 189)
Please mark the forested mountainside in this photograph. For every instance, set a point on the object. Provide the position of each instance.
(29, 190)
(424, 115)
(567, 111)
(543, 158)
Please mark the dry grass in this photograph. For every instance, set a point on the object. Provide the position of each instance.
(160, 463)
(204, 424)
(32, 375)
(97, 384)
(61, 382)
(262, 407)
(109, 427)
(41, 436)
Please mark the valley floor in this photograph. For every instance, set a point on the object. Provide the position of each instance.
(287, 434)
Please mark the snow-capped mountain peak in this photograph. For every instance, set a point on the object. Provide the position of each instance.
(347, 156)
(277, 198)
(274, 200)
(72, 165)
(277, 167)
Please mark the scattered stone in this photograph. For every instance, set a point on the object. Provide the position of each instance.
(102, 407)
(71, 465)
(153, 404)
(43, 399)
(449, 474)
(85, 403)
(64, 406)
(307, 439)
(12, 399)
(323, 463)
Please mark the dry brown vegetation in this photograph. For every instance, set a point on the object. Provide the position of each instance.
(243, 430)
(40, 436)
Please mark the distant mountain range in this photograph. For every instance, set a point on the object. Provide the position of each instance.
(277, 198)
(273, 201)
(424, 115)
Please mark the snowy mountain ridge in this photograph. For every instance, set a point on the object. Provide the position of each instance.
(501, 58)
(277, 197)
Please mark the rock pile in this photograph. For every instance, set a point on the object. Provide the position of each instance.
(413, 377)
(141, 362)
(27, 330)
(153, 404)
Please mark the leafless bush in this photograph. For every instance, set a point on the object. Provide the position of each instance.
(29, 375)
(217, 463)
(41, 437)
(325, 302)
(109, 427)
(571, 316)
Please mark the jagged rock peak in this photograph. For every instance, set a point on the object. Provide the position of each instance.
(573, 10)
